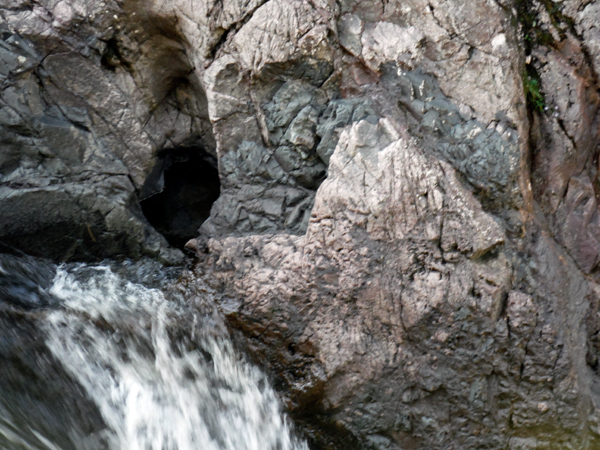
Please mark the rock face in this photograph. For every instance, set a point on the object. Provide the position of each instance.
(407, 234)
(82, 117)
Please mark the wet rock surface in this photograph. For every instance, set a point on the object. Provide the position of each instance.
(407, 233)
(40, 401)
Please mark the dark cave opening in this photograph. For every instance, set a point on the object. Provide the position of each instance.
(180, 193)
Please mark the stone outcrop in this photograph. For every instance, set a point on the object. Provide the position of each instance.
(83, 115)
(407, 234)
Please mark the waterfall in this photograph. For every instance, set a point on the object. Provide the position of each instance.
(160, 380)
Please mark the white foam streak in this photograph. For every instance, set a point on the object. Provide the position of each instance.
(154, 394)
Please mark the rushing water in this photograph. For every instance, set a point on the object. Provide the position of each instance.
(159, 377)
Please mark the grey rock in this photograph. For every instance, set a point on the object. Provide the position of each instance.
(426, 306)
(350, 28)
(586, 20)
(488, 156)
(339, 114)
(293, 97)
(301, 131)
(413, 244)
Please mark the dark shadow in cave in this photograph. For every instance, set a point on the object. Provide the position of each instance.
(186, 182)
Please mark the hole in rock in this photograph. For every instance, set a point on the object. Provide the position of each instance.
(186, 182)
(111, 58)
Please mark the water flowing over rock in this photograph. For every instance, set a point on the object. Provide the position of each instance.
(405, 232)
(151, 395)
(143, 371)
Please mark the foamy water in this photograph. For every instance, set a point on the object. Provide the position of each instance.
(159, 384)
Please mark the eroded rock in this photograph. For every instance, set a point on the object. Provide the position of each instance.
(407, 230)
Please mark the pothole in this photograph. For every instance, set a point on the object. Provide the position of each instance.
(187, 183)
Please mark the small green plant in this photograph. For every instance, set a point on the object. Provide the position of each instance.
(533, 94)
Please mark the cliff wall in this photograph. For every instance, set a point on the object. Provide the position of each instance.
(407, 233)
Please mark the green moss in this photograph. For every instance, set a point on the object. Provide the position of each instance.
(557, 17)
(534, 36)
(533, 93)
(533, 32)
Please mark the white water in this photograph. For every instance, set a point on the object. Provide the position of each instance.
(155, 392)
